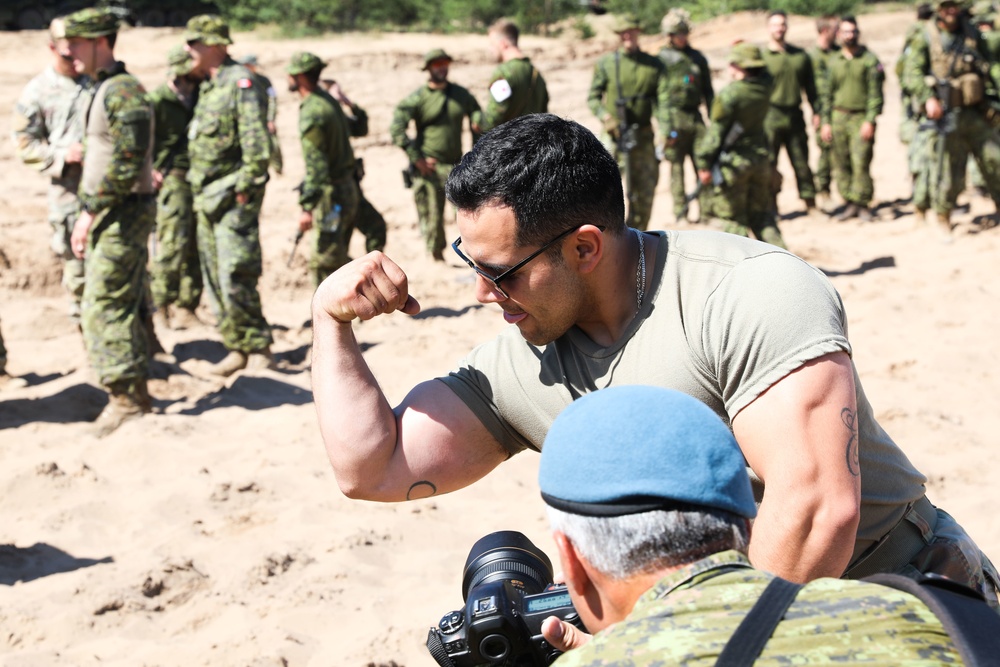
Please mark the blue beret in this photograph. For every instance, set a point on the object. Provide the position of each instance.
(633, 449)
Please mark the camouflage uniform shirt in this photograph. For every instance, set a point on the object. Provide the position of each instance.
(229, 131)
(48, 119)
(438, 117)
(689, 615)
(689, 82)
(516, 89)
(326, 146)
(640, 77)
(172, 118)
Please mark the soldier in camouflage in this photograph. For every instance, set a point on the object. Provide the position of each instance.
(689, 81)
(633, 80)
(826, 45)
(176, 282)
(48, 136)
(437, 110)
(516, 86)
(330, 195)
(654, 552)
(792, 73)
(948, 74)
(853, 100)
(117, 198)
(732, 157)
(250, 61)
(229, 148)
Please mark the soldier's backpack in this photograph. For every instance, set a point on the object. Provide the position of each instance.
(972, 625)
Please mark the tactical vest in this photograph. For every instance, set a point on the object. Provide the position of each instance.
(100, 149)
(956, 65)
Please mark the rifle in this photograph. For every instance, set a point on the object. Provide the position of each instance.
(626, 133)
(295, 243)
(732, 136)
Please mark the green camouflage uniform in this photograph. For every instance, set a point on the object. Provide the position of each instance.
(743, 198)
(437, 115)
(945, 154)
(277, 162)
(644, 89)
(176, 271)
(822, 174)
(48, 119)
(793, 75)
(228, 143)
(516, 89)
(368, 221)
(687, 617)
(689, 82)
(329, 190)
(853, 96)
(116, 187)
(992, 40)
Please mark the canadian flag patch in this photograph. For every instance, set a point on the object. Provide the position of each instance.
(500, 90)
(244, 83)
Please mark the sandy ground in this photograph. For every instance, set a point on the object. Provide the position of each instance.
(213, 533)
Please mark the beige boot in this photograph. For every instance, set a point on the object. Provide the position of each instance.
(184, 318)
(260, 360)
(122, 406)
(233, 362)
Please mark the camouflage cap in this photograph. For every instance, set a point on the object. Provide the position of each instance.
(179, 61)
(625, 22)
(208, 29)
(435, 54)
(982, 9)
(746, 55)
(676, 21)
(303, 61)
(91, 23)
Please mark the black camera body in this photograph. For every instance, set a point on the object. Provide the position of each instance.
(508, 591)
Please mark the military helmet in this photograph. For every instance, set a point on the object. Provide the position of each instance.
(676, 22)
(746, 56)
(303, 61)
(208, 29)
(91, 23)
(626, 22)
(435, 54)
(179, 61)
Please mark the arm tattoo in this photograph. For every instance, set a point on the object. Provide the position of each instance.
(849, 417)
(421, 489)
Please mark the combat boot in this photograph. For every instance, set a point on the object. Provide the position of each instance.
(123, 405)
(261, 360)
(184, 318)
(850, 211)
(919, 217)
(865, 214)
(810, 203)
(234, 361)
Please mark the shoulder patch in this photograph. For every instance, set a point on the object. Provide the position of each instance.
(244, 83)
(500, 90)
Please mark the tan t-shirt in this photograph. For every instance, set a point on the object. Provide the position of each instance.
(727, 318)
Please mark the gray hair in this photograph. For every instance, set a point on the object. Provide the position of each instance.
(623, 546)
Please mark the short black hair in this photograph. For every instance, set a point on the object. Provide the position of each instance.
(776, 12)
(553, 173)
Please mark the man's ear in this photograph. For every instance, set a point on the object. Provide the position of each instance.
(588, 247)
(574, 573)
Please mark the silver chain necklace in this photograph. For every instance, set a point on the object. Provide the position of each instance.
(640, 272)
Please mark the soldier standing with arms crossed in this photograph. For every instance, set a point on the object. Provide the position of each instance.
(48, 136)
(176, 276)
(826, 33)
(853, 101)
(793, 76)
(437, 109)
(228, 144)
(330, 193)
(516, 87)
(119, 206)
(689, 81)
(628, 88)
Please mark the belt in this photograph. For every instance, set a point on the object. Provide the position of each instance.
(900, 545)
(843, 110)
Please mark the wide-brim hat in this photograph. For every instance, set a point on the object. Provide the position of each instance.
(208, 29)
(91, 23)
(435, 54)
(303, 61)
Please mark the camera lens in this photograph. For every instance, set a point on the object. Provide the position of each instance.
(494, 647)
(506, 555)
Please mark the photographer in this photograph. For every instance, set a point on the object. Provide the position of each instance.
(650, 506)
(750, 330)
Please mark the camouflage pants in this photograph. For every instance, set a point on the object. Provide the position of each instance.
(371, 224)
(973, 175)
(229, 249)
(743, 202)
(641, 175)
(428, 193)
(946, 173)
(681, 150)
(332, 239)
(176, 274)
(823, 176)
(64, 209)
(852, 157)
(919, 153)
(786, 127)
(276, 162)
(114, 295)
